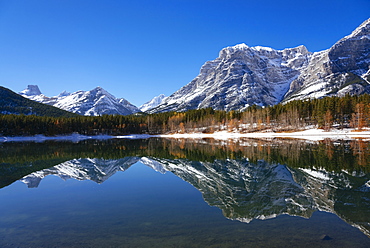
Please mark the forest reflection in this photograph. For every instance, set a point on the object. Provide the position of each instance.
(246, 178)
(352, 156)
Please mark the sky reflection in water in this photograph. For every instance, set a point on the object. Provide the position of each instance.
(140, 207)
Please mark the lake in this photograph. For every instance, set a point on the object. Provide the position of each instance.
(185, 193)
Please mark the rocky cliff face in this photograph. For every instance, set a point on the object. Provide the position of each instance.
(342, 69)
(242, 76)
(246, 191)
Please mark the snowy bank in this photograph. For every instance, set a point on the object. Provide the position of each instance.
(310, 134)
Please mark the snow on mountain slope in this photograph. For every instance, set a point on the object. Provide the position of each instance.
(342, 69)
(242, 76)
(152, 103)
(31, 90)
(94, 169)
(242, 189)
(92, 103)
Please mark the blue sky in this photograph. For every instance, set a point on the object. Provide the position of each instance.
(140, 49)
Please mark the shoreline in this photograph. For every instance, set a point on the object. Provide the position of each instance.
(309, 134)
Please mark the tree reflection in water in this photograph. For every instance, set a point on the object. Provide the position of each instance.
(247, 179)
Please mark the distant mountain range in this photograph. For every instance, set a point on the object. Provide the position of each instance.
(12, 103)
(152, 103)
(243, 76)
(91, 103)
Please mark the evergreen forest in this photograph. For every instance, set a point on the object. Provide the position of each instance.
(13, 103)
(325, 113)
(20, 159)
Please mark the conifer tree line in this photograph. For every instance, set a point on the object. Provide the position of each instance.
(325, 113)
(352, 156)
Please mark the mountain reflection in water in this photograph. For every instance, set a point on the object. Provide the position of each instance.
(248, 179)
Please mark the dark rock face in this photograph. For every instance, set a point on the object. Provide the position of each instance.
(352, 53)
(243, 76)
(342, 69)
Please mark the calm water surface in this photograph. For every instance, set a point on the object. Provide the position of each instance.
(168, 193)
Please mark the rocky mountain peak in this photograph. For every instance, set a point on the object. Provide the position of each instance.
(242, 76)
(362, 30)
(352, 53)
(340, 70)
(64, 93)
(152, 103)
(227, 51)
(290, 53)
(31, 90)
(94, 102)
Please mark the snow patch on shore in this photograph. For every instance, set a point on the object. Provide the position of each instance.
(309, 134)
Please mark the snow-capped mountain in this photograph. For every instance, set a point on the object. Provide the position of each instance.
(342, 69)
(13, 103)
(31, 90)
(243, 190)
(242, 76)
(97, 170)
(92, 103)
(152, 103)
(246, 191)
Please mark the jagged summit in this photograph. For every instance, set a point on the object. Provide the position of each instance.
(13, 103)
(362, 30)
(342, 69)
(242, 76)
(152, 103)
(94, 102)
(31, 90)
(64, 93)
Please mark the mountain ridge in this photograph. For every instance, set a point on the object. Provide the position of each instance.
(154, 102)
(242, 76)
(90, 103)
(13, 103)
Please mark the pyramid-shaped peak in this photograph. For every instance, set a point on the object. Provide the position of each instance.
(64, 93)
(100, 91)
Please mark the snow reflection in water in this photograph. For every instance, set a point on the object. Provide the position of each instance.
(139, 206)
